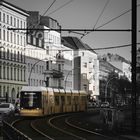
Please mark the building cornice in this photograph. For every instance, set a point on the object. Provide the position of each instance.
(14, 8)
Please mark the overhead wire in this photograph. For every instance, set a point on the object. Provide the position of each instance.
(49, 8)
(114, 47)
(101, 13)
(60, 7)
(114, 18)
(98, 17)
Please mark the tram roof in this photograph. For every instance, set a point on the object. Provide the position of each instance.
(41, 88)
(33, 88)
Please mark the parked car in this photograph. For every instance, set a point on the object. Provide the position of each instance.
(92, 105)
(105, 104)
(6, 108)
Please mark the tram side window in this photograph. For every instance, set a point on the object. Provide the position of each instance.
(69, 100)
(83, 99)
(62, 99)
(76, 99)
(56, 100)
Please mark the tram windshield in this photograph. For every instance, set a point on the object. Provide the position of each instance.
(30, 100)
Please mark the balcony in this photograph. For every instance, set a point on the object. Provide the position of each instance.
(54, 73)
(60, 58)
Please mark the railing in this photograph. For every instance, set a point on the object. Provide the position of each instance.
(11, 133)
(118, 118)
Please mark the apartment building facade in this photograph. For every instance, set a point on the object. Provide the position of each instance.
(120, 63)
(12, 50)
(85, 66)
(46, 54)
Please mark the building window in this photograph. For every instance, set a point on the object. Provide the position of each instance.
(11, 37)
(36, 68)
(0, 72)
(0, 16)
(21, 40)
(47, 65)
(29, 39)
(22, 58)
(47, 82)
(24, 74)
(8, 54)
(59, 83)
(4, 91)
(84, 76)
(4, 72)
(4, 53)
(4, 35)
(7, 19)
(40, 69)
(0, 53)
(14, 38)
(40, 42)
(0, 91)
(34, 41)
(14, 55)
(85, 87)
(14, 22)
(18, 74)
(7, 36)
(59, 67)
(28, 67)
(21, 74)
(11, 73)
(11, 55)
(24, 42)
(24, 25)
(14, 73)
(7, 73)
(4, 17)
(11, 20)
(18, 39)
(18, 23)
(21, 24)
(85, 65)
(0, 33)
(18, 56)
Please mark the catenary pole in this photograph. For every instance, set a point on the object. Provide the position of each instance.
(134, 49)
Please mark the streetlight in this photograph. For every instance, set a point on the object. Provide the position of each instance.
(48, 59)
(33, 68)
(68, 75)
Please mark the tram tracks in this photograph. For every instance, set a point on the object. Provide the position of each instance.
(74, 130)
(24, 126)
(58, 127)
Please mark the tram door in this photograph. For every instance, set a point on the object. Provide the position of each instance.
(62, 103)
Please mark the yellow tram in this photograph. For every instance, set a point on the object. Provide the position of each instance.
(40, 101)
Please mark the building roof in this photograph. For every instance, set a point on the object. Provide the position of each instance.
(108, 65)
(77, 44)
(5, 3)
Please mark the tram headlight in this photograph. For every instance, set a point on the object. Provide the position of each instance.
(37, 108)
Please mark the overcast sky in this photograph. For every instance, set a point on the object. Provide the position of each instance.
(84, 14)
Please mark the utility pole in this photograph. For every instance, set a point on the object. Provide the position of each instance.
(134, 49)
